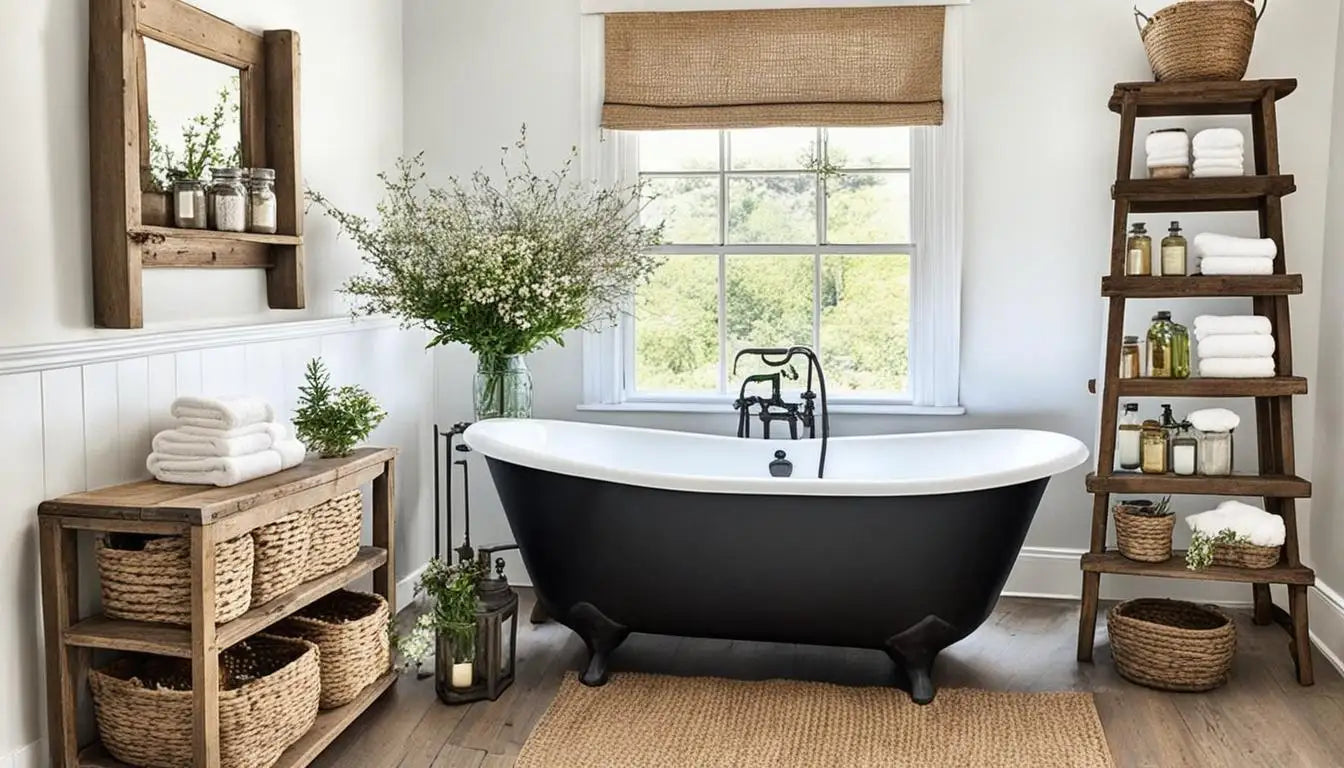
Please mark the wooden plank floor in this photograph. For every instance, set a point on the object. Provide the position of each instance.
(1261, 718)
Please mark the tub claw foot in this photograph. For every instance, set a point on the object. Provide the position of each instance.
(914, 651)
(601, 635)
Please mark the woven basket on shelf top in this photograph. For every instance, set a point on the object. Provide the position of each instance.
(281, 556)
(148, 578)
(269, 688)
(1200, 39)
(1171, 644)
(1245, 556)
(1145, 538)
(336, 525)
(350, 631)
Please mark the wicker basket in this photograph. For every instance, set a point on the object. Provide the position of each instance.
(335, 534)
(1245, 556)
(281, 556)
(268, 699)
(1205, 40)
(1171, 644)
(148, 578)
(350, 630)
(1144, 538)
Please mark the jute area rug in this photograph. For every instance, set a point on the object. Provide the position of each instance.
(657, 721)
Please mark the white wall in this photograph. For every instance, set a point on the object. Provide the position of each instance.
(1040, 154)
(351, 101)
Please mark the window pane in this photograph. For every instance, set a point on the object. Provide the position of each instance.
(868, 147)
(868, 208)
(769, 305)
(771, 149)
(688, 207)
(679, 151)
(677, 327)
(780, 208)
(865, 322)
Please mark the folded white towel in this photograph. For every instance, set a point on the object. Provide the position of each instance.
(1220, 156)
(1236, 265)
(1218, 138)
(1260, 527)
(222, 412)
(225, 470)
(1167, 142)
(1219, 172)
(1214, 420)
(250, 429)
(1236, 367)
(1236, 345)
(1215, 325)
(1214, 244)
(1231, 162)
(170, 441)
(1167, 161)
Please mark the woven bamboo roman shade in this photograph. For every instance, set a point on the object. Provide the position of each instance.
(756, 69)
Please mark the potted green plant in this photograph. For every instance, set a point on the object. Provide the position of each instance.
(448, 626)
(503, 267)
(332, 421)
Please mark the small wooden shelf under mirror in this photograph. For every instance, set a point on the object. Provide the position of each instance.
(121, 179)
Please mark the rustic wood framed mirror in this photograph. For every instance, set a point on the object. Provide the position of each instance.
(129, 236)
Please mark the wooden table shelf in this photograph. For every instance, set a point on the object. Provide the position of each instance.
(205, 515)
(169, 247)
(1175, 568)
(1278, 386)
(1230, 97)
(1273, 486)
(1228, 193)
(1200, 286)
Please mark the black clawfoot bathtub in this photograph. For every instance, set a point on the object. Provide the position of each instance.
(903, 547)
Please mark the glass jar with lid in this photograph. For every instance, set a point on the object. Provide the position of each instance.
(1131, 358)
(1184, 449)
(229, 200)
(1153, 448)
(261, 201)
(1215, 453)
(1161, 343)
(189, 203)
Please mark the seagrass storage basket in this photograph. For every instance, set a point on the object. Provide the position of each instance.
(280, 556)
(1245, 556)
(336, 525)
(148, 578)
(1171, 645)
(268, 698)
(1200, 39)
(350, 631)
(1144, 538)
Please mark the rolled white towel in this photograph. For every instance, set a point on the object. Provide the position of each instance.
(1215, 155)
(1230, 162)
(1214, 244)
(1236, 345)
(1218, 138)
(222, 412)
(219, 470)
(1258, 526)
(1214, 420)
(1167, 142)
(1215, 325)
(1236, 367)
(220, 443)
(1236, 265)
(1218, 172)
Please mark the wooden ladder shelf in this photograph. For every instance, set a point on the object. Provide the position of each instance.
(1276, 481)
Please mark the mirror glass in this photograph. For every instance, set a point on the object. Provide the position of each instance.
(195, 121)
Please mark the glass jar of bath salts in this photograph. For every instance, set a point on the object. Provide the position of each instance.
(1153, 448)
(261, 201)
(230, 202)
(189, 204)
(1215, 453)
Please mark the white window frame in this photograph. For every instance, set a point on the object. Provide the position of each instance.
(936, 203)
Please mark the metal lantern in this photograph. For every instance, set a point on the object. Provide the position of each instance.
(492, 667)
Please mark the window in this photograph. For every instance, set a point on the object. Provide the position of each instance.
(775, 237)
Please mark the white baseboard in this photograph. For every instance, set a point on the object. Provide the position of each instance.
(31, 756)
(406, 588)
(1326, 608)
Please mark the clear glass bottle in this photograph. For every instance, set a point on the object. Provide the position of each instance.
(1139, 250)
(189, 204)
(229, 200)
(1174, 250)
(1131, 358)
(1153, 448)
(1180, 351)
(1161, 340)
(1128, 436)
(1215, 453)
(1184, 449)
(261, 201)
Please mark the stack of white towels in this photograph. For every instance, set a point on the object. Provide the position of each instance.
(1258, 526)
(222, 441)
(1234, 347)
(1218, 152)
(1227, 255)
(1168, 151)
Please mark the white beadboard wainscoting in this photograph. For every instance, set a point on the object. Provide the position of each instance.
(80, 415)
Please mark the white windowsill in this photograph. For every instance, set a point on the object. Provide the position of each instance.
(867, 409)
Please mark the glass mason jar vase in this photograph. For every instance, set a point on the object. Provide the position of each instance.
(455, 656)
(502, 387)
